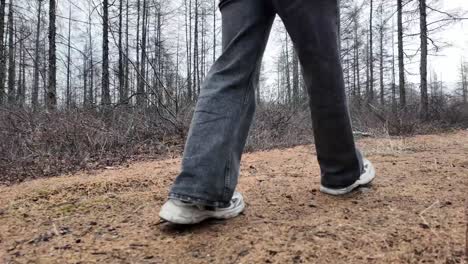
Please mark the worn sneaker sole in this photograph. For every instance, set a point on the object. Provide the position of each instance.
(177, 213)
(365, 179)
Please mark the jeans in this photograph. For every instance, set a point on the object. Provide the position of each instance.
(226, 104)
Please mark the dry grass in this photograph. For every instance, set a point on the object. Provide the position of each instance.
(414, 213)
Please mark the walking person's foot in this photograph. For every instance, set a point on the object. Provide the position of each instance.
(366, 178)
(185, 213)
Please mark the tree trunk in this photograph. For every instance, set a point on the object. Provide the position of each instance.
(367, 67)
(121, 73)
(401, 61)
(92, 91)
(288, 74)
(21, 66)
(105, 100)
(423, 67)
(85, 79)
(371, 53)
(195, 52)
(35, 90)
(138, 77)
(356, 62)
(2, 51)
(23, 81)
(295, 78)
(142, 71)
(464, 82)
(381, 66)
(188, 36)
(214, 31)
(127, 54)
(394, 102)
(68, 99)
(51, 89)
(11, 58)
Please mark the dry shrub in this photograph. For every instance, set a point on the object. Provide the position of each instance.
(278, 125)
(38, 144)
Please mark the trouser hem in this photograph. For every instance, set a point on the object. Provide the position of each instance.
(197, 200)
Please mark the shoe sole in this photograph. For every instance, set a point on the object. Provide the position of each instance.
(170, 217)
(352, 187)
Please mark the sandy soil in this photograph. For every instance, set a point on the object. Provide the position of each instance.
(414, 213)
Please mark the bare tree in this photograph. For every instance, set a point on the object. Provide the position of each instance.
(464, 81)
(423, 66)
(295, 83)
(401, 60)
(51, 89)
(37, 54)
(196, 69)
(142, 70)
(121, 73)
(105, 92)
(127, 54)
(371, 52)
(68, 92)
(11, 56)
(2, 51)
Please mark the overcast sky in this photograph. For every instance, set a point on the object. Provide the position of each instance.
(448, 64)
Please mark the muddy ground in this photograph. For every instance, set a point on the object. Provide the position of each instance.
(414, 213)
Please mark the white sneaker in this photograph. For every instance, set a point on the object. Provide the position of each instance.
(183, 213)
(366, 177)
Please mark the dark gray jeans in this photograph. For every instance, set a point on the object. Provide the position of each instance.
(226, 104)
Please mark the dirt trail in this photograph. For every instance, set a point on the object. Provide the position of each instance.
(414, 213)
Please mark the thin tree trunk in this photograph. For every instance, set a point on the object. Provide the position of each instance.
(51, 89)
(138, 77)
(69, 60)
(464, 82)
(21, 77)
(2, 51)
(23, 80)
(159, 46)
(127, 65)
(177, 71)
(188, 36)
(401, 62)
(85, 79)
(423, 67)
(367, 67)
(35, 90)
(11, 57)
(214, 31)
(295, 78)
(195, 52)
(381, 66)
(141, 87)
(394, 102)
(288, 74)
(121, 74)
(105, 100)
(356, 50)
(90, 68)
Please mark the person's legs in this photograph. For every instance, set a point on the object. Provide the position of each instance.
(225, 108)
(313, 29)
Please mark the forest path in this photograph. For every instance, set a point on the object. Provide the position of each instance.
(414, 213)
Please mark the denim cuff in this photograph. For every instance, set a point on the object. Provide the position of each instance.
(196, 200)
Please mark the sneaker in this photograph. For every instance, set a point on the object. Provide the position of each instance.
(185, 213)
(366, 177)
